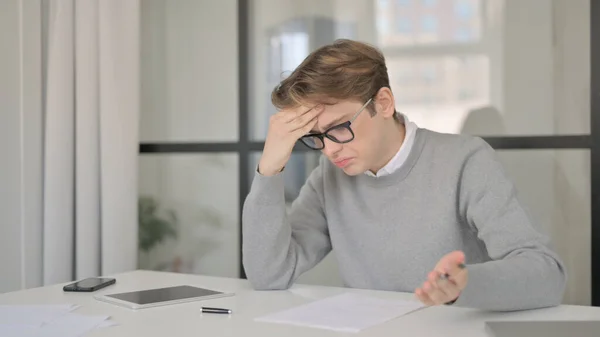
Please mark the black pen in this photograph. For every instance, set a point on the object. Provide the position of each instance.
(446, 276)
(216, 310)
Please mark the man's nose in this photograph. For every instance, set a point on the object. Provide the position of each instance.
(331, 147)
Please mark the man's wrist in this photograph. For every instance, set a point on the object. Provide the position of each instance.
(268, 173)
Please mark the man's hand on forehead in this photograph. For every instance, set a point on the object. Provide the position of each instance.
(302, 109)
(285, 128)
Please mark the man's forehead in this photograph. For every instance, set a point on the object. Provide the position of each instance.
(340, 108)
(332, 114)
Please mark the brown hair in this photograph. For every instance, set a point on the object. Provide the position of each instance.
(342, 70)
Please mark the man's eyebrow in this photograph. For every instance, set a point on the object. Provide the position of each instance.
(330, 124)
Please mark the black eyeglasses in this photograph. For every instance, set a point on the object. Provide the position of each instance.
(341, 133)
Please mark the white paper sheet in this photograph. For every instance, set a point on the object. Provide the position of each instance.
(346, 313)
(32, 315)
(48, 321)
(108, 324)
(72, 325)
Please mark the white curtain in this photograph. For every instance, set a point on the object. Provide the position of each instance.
(90, 138)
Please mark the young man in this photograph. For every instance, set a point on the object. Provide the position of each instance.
(403, 208)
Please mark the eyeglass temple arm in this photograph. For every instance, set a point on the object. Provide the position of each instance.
(360, 110)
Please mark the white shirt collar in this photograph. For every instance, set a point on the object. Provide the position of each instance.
(400, 158)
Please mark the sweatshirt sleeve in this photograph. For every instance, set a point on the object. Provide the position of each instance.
(524, 272)
(279, 245)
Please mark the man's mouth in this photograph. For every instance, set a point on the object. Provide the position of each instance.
(341, 163)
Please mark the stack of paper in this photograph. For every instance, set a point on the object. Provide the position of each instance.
(347, 313)
(47, 321)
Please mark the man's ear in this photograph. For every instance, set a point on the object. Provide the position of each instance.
(384, 103)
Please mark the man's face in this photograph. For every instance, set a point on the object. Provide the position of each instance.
(358, 155)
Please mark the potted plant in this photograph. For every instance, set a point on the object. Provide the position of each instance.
(154, 228)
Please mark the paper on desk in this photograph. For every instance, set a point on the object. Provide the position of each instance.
(67, 324)
(347, 313)
(34, 315)
(71, 325)
(107, 324)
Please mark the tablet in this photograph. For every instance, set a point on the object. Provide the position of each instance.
(161, 296)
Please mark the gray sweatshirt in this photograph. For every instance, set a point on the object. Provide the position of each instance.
(389, 232)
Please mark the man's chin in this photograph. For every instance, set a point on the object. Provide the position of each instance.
(352, 170)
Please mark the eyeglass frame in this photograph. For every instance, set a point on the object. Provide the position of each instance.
(345, 125)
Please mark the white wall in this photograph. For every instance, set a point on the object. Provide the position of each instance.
(189, 71)
(527, 67)
(20, 145)
(572, 66)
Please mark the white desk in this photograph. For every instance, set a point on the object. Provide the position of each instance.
(186, 319)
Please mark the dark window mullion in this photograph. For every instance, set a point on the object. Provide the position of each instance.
(243, 121)
(595, 153)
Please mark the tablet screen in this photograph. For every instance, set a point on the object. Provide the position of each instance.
(163, 294)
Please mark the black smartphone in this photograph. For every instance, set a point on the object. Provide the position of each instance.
(89, 284)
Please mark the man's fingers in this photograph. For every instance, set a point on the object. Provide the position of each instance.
(302, 120)
(437, 292)
(455, 269)
(288, 116)
(450, 290)
(449, 269)
(456, 273)
(434, 293)
(456, 257)
(305, 129)
(442, 290)
(437, 282)
(423, 297)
